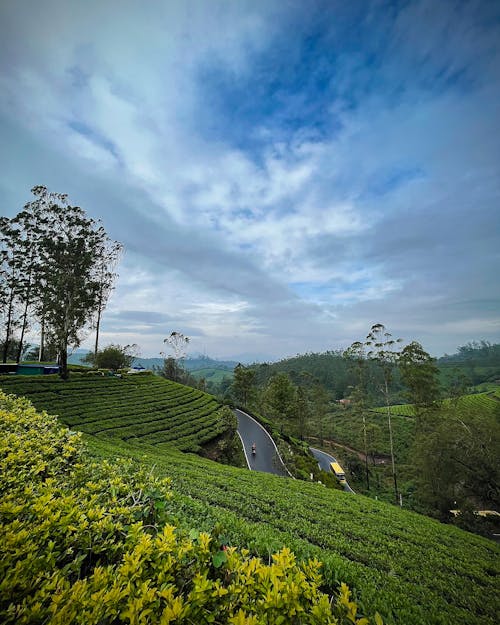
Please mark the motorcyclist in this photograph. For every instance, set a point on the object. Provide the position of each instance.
(254, 449)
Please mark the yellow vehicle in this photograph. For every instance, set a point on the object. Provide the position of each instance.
(338, 471)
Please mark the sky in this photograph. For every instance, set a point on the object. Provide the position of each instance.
(282, 174)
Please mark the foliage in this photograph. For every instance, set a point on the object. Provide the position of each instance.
(409, 568)
(106, 259)
(243, 384)
(327, 369)
(279, 398)
(458, 462)
(13, 348)
(10, 282)
(421, 378)
(113, 357)
(381, 349)
(477, 361)
(86, 542)
(226, 447)
(178, 342)
(174, 370)
(55, 262)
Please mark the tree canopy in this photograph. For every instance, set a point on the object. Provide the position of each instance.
(56, 270)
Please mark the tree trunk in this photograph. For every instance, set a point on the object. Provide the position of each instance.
(391, 443)
(8, 327)
(366, 454)
(63, 361)
(23, 329)
(42, 340)
(97, 330)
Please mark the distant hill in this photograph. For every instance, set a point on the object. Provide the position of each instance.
(204, 364)
(77, 356)
(191, 364)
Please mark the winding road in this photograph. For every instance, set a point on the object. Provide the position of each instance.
(324, 460)
(267, 458)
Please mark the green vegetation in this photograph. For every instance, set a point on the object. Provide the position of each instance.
(112, 357)
(407, 567)
(211, 374)
(142, 407)
(346, 427)
(90, 543)
(56, 269)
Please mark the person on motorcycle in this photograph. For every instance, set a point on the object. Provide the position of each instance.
(254, 449)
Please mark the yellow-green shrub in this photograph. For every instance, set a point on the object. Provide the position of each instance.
(88, 542)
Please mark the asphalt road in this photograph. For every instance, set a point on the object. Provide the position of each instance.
(324, 460)
(266, 458)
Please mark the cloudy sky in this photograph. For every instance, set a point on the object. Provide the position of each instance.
(282, 174)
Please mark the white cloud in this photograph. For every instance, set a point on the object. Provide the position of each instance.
(376, 218)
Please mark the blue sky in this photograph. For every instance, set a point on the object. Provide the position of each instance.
(281, 174)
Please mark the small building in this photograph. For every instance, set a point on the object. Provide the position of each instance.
(34, 369)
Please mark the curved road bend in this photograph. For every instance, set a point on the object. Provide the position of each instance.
(266, 459)
(324, 460)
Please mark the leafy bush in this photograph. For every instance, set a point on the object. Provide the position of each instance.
(88, 542)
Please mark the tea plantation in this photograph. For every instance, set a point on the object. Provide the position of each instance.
(143, 407)
(405, 566)
(348, 428)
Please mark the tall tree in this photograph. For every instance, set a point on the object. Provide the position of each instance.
(301, 410)
(30, 226)
(69, 247)
(178, 342)
(356, 356)
(10, 281)
(320, 405)
(421, 378)
(106, 260)
(382, 350)
(279, 397)
(173, 365)
(243, 383)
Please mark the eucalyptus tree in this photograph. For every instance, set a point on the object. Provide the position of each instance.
(10, 281)
(357, 359)
(382, 350)
(320, 405)
(172, 365)
(280, 397)
(29, 226)
(178, 342)
(107, 258)
(421, 378)
(301, 410)
(69, 248)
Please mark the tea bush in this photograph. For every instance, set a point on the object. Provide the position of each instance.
(89, 542)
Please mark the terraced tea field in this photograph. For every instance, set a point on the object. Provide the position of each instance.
(348, 429)
(144, 408)
(481, 404)
(409, 568)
